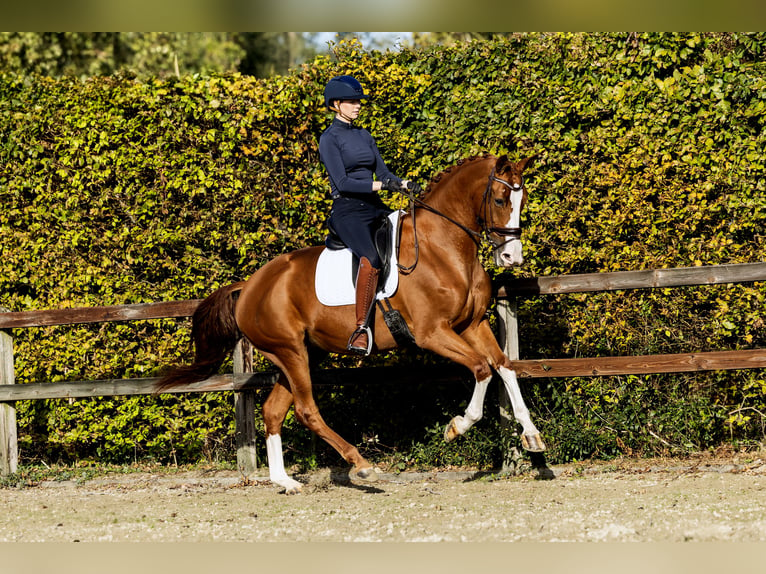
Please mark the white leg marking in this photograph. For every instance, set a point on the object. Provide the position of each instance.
(475, 409)
(277, 473)
(520, 411)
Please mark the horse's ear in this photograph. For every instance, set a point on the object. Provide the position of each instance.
(501, 161)
(528, 161)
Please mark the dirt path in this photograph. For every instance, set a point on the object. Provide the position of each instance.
(714, 500)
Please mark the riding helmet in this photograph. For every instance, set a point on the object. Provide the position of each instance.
(343, 88)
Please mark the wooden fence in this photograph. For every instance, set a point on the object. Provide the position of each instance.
(243, 383)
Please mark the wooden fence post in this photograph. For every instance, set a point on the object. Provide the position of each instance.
(244, 412)
(9, 451)
(508, 337)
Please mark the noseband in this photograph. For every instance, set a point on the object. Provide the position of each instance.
(512, 233)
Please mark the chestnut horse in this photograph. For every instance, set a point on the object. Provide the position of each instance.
(443, 299)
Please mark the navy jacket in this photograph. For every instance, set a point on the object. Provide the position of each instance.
(351, 158)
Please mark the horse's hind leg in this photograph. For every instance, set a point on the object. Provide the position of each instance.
(295, 366)
(274, 411)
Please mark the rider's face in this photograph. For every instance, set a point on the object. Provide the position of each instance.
(350, 108)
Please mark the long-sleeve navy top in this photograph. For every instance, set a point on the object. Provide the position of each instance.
(351, 158)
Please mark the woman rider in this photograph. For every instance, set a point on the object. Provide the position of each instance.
(351, 159)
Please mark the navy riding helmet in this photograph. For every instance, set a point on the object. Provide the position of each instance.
(343, 88)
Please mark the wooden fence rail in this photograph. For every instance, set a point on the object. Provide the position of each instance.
(244, 383)
(506, 286)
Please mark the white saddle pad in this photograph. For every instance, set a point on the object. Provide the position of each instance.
(333, 282)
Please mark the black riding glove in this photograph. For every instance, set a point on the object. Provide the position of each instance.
(414, 187)
(391, 184)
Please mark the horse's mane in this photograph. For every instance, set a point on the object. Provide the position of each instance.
(448, 171)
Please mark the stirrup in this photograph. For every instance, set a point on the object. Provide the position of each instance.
(361, 350)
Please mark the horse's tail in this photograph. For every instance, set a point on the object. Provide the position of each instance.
(215, 333)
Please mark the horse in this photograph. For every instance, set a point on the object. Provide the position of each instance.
(443, 297)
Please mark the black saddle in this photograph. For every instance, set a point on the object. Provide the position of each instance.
(383, 245)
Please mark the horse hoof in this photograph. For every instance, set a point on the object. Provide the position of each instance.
(291, 486)
(451, 432)
(532, 443)
(545, 473)
(365, 474)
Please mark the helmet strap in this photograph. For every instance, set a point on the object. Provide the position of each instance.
(340, 114)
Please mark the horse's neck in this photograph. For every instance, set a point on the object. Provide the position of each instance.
(458, 196)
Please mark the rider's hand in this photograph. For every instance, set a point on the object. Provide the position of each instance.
(391, 184)
(413, 187)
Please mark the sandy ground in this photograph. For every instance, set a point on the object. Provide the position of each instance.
(648, 501)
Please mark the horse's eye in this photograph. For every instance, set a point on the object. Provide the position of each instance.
(499, 202)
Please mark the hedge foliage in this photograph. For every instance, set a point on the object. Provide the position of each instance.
(118, 191)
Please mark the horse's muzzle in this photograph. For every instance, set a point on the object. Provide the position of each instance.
(509, 254)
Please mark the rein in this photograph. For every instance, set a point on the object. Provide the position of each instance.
(476, 237)
(512, 232)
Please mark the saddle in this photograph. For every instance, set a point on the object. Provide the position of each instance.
(383, 239)
(384, 244)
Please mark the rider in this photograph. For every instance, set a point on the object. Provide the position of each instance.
(351, 158)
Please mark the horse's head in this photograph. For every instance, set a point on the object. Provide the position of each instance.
(503, 201)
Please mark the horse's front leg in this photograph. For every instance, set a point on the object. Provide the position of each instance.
(447, 343)
(483, 338)
(530, 438)
(473, 414)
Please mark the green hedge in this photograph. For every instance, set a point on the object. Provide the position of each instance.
(119, 191)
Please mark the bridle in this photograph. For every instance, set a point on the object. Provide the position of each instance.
(512, 233)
